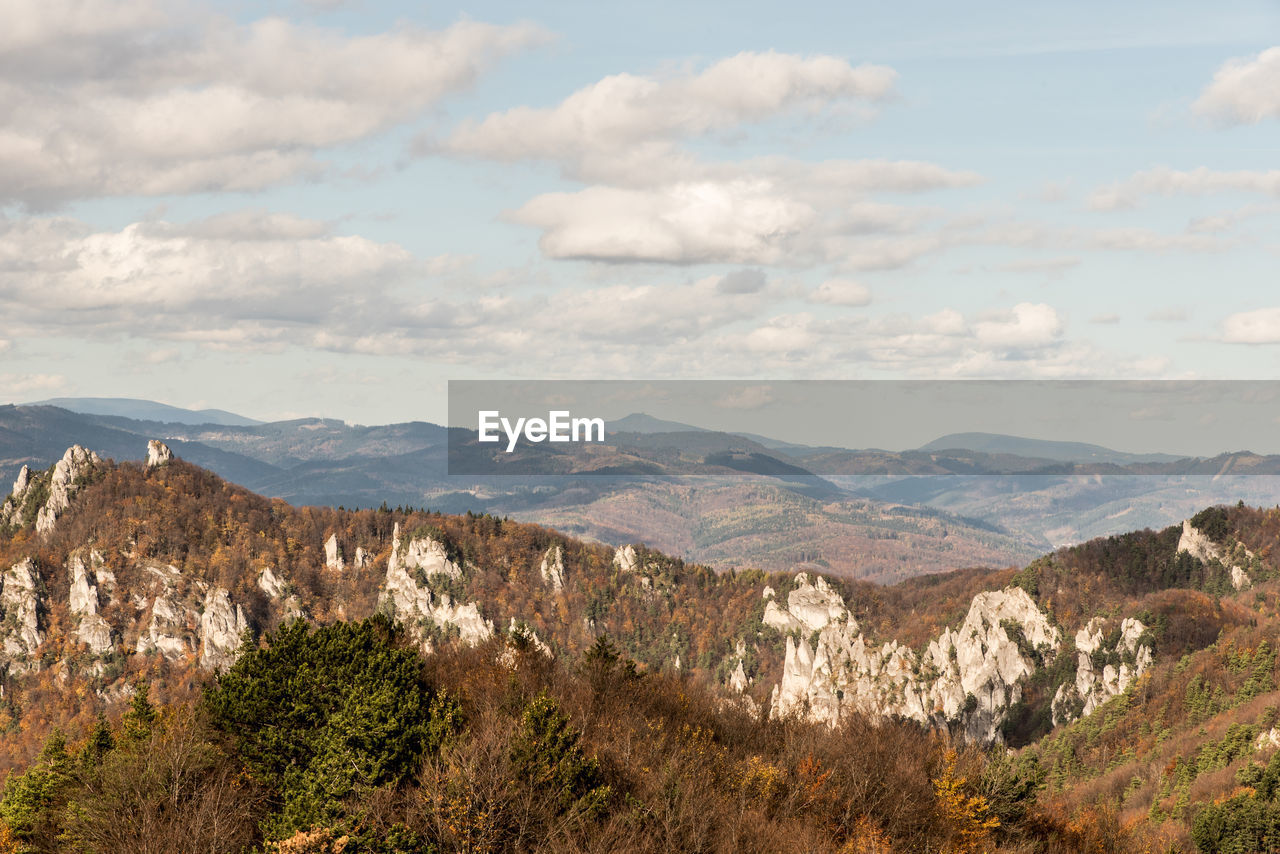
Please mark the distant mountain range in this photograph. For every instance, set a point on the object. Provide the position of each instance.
(1074, 452)
(962, 500)
(146, 410)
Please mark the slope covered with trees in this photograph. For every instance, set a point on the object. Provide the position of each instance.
(253, 688)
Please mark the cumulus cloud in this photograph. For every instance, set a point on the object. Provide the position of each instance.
(59, 273)
(16, 387)
(757, 212)
(742, 282)
(1260, 326)
(1244, 91)
(628, 112)
(1163, 181)
(650, 198)
(128, 97)
(841, 292)
(175, 288)
(741, 222)
(1025, 340)
(1026, 325)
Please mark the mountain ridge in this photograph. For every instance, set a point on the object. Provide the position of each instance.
(155, 570)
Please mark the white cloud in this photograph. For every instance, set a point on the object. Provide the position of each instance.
(743, 222)
(177, 289)
(640, 114)
(1163, 181)
(742, 282)
(1026, 325)
(1260, 326)
(135, 98)
(841, 292)
(649, 198)
(16, 387)
(167, 279)
(1244, 91)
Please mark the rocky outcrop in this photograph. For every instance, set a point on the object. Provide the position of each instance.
(363, 558)
(425, 554)
(1102, 672)
(158, 454)
(408, 596)
(74, 465)
(333, 554)
(270, 583)
(11, 510)
(552, 568)
(626, 559)
(810, 607)
(738, 680)
(91, 629)
(1195, 543)
(20, 601)
(166, 632)
(222, 629)
(967, 677)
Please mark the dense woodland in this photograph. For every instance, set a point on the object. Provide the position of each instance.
(346, 737)
(343, 738)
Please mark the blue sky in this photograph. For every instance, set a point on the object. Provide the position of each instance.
(333, 208)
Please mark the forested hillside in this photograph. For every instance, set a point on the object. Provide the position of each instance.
(235, 672)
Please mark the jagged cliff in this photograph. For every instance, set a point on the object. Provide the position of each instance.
(968, 675)
(161, 568)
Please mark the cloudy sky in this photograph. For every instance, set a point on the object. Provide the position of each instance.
(333, 207)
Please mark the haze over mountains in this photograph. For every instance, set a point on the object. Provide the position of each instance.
(963, 499)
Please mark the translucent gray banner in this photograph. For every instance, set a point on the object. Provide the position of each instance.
(864, 428)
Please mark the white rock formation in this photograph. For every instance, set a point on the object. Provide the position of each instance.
(1092, 688)
(270, 583)
(166, 634)
(414, 604)
(363, 558)
(738, 680)
(842, 671)
(333, 555)
(424, 553)
(221, 630)
(626, 559)
(75, 463)
(552, 568)
(21, 603)
(13, 504)
(158, 454)
(1195, 543)
(1239, 578)
(91, 629)
(810, 607)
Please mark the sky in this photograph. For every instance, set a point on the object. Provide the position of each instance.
(333, 208)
